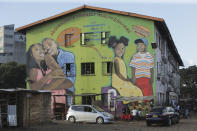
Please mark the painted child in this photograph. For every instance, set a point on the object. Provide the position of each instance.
(120, 80)
(142, 64)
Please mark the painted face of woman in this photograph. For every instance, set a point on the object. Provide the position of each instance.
(38, 52)
(119, 50)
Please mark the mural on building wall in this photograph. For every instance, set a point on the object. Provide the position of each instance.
(142, 64)
(141, 31)
(120, 80)
(50, 67)
(68, 36)
(100, 31)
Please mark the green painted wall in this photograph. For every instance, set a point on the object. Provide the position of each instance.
(94, 21)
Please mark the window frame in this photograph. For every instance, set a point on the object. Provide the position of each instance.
(104, 36)
(67, 42)
(90, 70)
(84, 39)
(65, 70)
(105, 67)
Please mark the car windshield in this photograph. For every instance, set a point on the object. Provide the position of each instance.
(98, 109)
(157, 109)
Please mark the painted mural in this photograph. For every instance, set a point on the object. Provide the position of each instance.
(50, 67)
(57, 50)
(120, 80)
(142, 64)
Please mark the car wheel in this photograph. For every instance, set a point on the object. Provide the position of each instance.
(99, 120)
(71, 119)
(169, 122)
(148, 123)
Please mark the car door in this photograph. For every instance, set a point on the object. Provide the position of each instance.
(90, 114)
(79, 113)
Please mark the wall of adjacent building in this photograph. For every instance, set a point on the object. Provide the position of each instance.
(12, 45)
(167, 72)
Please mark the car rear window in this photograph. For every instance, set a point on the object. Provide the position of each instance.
(159, 109)
(78, 108)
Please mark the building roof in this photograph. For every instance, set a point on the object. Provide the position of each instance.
(159, 21)
(23, 28)
(25, 90)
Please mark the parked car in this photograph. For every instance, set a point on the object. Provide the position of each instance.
(162, 115)
(88, 113)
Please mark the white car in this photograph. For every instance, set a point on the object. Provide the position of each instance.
(88, 113)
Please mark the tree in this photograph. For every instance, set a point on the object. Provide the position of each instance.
(189, 81)
(12, 75)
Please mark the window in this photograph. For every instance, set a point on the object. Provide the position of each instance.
(88, 109)
(88, 100)
(68, 39)
(82, 39)
(87, 68)
(105, 37)
(69, 69)
(8, 45)
(8, 36)
(107, 68)
(86, 38)
(78, 108)
(9, 28)
(159, 42)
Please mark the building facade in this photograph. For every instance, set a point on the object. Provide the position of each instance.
(103, 53)
(167, 74)
(12, 45)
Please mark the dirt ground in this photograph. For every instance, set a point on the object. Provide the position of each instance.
(189, 124)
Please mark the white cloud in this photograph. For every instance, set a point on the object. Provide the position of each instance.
(110, 1)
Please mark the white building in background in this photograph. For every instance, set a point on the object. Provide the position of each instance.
(167, 70)
(12, 45)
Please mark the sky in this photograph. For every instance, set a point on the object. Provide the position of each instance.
(179, 15)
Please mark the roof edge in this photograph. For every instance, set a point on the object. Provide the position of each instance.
(173, 44)
(23, 28)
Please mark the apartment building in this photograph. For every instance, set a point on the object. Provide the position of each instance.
(99, 52)
(12, 45)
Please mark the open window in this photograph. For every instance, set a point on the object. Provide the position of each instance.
(69, 69)
(107, 68)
